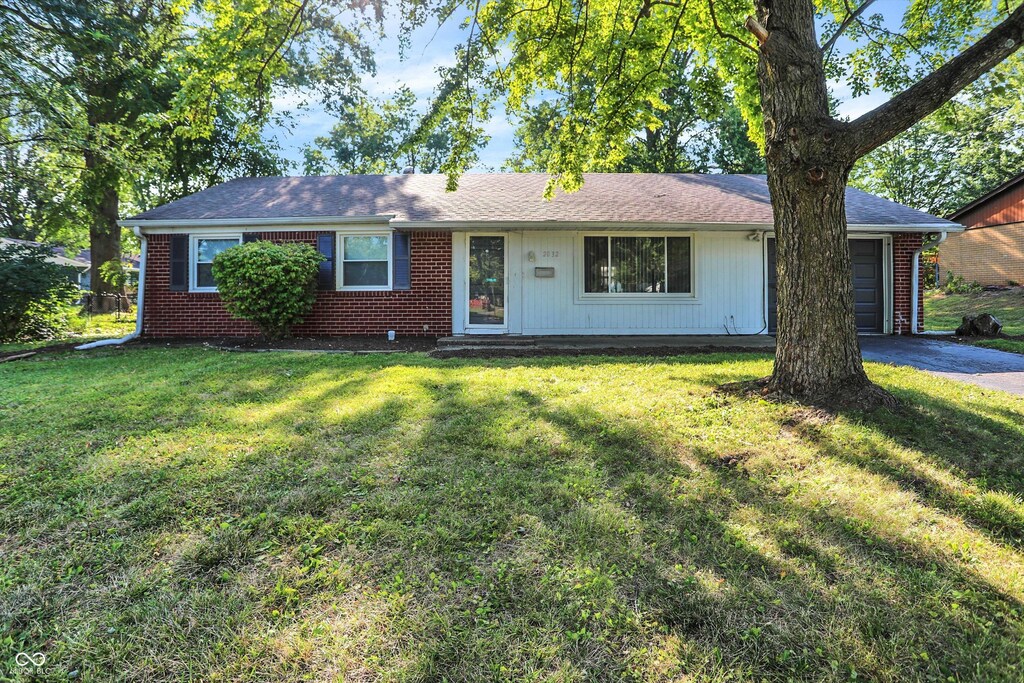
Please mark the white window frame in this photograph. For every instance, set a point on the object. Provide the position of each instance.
(340, 263)
(632, 297)
(193, 256)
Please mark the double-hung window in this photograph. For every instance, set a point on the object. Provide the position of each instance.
(365, 262)
(203, 249)
(638, 265)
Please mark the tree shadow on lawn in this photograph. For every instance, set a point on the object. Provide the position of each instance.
(606, 550)
(468, 523)
(967, 462)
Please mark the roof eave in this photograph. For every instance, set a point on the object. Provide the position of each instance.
(302, 222)
(705, 225)
(284, 221)
(985, 197)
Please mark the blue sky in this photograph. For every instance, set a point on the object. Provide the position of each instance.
(432, 47)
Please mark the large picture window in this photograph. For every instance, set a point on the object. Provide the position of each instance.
(614, 264)
(204, 249)
(365, 262)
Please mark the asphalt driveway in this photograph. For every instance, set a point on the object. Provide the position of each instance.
(987, 368)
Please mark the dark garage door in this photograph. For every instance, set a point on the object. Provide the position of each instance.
(869, 302)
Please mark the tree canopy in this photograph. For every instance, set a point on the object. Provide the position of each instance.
(379, 135)
(143, 101)
(606, 66)
(697, 130)
(969, 146)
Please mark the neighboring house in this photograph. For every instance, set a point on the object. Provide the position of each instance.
(80, 266)
(80, 261)
(627, 254)
(991, 250)
(131, 267)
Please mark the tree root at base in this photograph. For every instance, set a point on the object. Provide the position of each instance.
(862, 395)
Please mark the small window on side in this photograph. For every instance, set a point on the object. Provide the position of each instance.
(204, 249)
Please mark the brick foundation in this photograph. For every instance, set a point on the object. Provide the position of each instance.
(903, 246)
(424, 310)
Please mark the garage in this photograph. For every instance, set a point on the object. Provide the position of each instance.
(868, 256)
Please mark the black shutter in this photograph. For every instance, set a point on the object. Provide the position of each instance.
(179, 263)
(250, 237)
(326, 278)
(401, 261)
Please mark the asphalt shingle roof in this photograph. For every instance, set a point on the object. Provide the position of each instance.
(508, 197)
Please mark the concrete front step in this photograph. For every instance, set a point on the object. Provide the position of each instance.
(488, 342)
(480, 347)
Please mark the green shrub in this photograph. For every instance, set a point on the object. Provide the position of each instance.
(956, 284)
(35, 294)
(270, 285)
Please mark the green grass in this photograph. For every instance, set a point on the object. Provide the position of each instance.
(190, 514)
(84, 327)
(1012, 345)
(944, 311)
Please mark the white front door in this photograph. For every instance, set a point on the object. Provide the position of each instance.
(487, 286)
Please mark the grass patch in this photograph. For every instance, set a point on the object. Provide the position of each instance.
(1011, 345)
(84, 327)
(189, 514)
(944, 311)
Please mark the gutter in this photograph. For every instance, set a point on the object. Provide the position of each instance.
(284, 221)
(915, 276)
(138, 306)
(612, 225)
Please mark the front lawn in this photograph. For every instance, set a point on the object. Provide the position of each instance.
(944, 311)
(84, 327)
(192, 514)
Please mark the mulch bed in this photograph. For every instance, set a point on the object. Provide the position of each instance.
(28, 353)
(338, 344)
(377, 344)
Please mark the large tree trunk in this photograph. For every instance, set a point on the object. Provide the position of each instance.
(817, 353)
(103, 202)
(809, 156)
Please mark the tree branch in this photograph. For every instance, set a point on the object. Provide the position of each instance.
(850, 18)
(725, 34)
(919, 100)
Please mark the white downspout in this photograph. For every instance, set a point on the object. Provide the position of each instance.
(138, 305)
(915, 277)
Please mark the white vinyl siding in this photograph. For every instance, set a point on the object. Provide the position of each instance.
(727, 283)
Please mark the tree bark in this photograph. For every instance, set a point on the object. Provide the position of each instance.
(809, 156)
(103, 203)
(817, 353)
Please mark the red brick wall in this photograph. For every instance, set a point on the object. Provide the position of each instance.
(424, 310)
(903, 246)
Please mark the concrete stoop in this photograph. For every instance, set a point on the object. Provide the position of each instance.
(592, 342)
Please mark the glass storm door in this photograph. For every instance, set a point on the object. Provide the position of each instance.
(487, 280)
